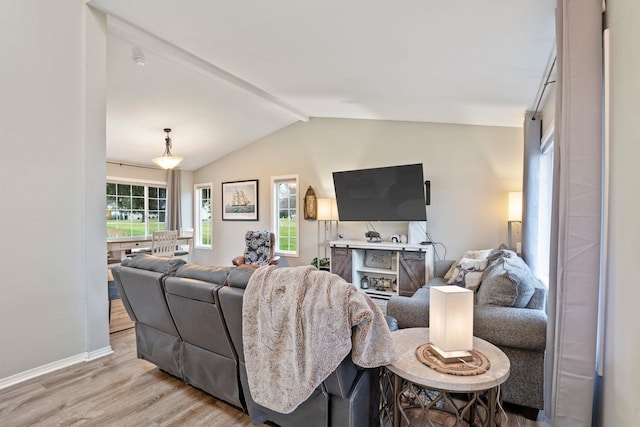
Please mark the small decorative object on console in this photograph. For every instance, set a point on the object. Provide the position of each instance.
(373, 236)
(364, 282)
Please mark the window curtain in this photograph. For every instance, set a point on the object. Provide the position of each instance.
(531, 188)
(576, 215)
(174, 216)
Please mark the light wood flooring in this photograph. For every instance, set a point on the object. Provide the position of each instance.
(121, 390)
(120, 320)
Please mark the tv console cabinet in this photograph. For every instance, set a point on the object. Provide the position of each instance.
(383, 269)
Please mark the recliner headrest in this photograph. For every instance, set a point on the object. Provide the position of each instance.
(154, 263)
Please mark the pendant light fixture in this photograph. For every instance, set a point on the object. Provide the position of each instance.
(167, 160)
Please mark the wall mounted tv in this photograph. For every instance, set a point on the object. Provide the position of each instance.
(395, 193)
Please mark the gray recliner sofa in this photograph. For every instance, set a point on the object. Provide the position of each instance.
(188, 321)
(348, 397)
(519, 332)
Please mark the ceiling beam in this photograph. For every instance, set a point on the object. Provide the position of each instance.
(142, 38)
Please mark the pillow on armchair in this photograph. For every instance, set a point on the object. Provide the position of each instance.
(258, 248)
(507, 282)
(477, 254)
(468, 272)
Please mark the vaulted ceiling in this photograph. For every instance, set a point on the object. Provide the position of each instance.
(222, 74)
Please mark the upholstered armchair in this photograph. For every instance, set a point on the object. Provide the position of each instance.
(259, 250)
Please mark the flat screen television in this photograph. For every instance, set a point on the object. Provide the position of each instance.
(395, 193)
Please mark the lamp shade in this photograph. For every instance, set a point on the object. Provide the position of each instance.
(515, 206)
(451, 318)
(167, 160)
(327, 210)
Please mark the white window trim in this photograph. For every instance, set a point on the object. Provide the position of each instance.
(548, 139)
(196, 213)
(146, 183)
(544, 225)
(275, 214)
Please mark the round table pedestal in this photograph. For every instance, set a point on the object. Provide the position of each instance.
(413, 394)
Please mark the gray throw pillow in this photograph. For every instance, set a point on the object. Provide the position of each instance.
(507, 282)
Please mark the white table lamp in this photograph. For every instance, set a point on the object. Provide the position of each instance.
(327, 213)
(514, 220)
(327, 210)
(451, 322)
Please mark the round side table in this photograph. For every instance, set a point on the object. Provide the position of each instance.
(422, 393)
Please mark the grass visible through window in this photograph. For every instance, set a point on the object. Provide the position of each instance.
(288, 234)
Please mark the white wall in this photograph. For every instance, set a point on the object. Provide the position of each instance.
(471, 168)
(620, 404)
(54, 295)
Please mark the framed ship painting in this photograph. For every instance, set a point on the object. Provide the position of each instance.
(240, 200)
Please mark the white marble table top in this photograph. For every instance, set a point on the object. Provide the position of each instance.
(406, 341)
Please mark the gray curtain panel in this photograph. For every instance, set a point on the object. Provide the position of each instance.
(174, 216)
(531, 188)
(576, 215)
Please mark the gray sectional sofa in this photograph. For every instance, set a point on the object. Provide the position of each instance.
(518, 331)
(188, 322)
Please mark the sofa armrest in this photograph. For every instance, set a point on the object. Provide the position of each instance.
(410, 312)
(511, 327)
(442, 266)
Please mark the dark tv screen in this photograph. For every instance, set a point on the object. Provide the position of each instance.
(394, 193)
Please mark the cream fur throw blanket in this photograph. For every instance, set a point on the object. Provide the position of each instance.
(296, 324)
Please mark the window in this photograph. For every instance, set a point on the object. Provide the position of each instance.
(137, 208)
(203, 232)
(285, 214)
(544, 208)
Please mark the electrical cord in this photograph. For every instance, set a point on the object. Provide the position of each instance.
(434, 243)
(435, 246)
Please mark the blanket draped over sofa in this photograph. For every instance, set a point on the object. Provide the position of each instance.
(297, 327)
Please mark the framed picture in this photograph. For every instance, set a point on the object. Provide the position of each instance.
(240, 200)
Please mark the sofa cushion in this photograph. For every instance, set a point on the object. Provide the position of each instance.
(204, 273)
(511, 327)
(154, 263)
(507, 282)
(468, 273)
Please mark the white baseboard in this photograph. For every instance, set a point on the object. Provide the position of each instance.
(54, 366)
(97, 354)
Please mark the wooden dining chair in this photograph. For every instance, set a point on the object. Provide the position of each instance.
(164, 243)
(184, 251)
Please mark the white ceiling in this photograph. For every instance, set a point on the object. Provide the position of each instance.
(225, 73)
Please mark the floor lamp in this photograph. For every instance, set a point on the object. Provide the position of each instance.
(327, 215)
(515, 221)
